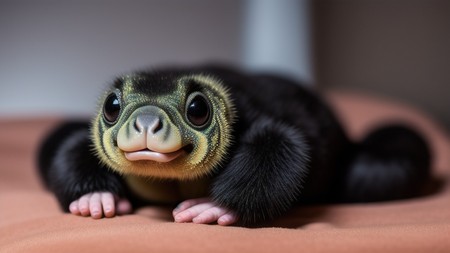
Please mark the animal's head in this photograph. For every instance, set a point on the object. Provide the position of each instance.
(164, 124)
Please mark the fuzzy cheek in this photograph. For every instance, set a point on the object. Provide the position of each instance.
(107, 150)
(200, 150)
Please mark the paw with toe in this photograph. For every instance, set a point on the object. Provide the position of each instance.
(100, 204)
(203, 211)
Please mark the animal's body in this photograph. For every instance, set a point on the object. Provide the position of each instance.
(251, 146)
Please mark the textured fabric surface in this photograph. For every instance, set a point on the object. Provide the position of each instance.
(30, 220)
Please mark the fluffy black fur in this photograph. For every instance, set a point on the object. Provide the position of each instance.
(289, 148)
(69, 167)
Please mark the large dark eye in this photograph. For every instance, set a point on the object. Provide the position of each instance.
(111, 108)
(197, 109)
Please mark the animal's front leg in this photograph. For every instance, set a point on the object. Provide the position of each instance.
(203, 211)
(265, 176)
(74, 173)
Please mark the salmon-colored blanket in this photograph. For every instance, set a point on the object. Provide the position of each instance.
(30, 220)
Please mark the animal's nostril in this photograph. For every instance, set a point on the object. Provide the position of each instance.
(136, 126)
(158, 126)
(147, 122)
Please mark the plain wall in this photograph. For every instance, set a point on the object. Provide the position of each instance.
(395, 48)
(57, 56)
(277, 37)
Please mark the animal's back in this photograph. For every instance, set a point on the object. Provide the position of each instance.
(281, 100)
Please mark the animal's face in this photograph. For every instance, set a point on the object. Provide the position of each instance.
(164, 125)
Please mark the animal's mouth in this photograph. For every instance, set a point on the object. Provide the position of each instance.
(147, 154)
(150, 155)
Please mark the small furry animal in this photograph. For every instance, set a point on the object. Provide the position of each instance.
(230, 147)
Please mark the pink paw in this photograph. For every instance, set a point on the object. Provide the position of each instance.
(203, 211)
(99, 204)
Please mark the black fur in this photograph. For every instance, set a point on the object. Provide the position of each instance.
(266, 173)
(389, 164)
(70, 169)
(289, 148)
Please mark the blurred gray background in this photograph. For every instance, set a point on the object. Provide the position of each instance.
(57, 56)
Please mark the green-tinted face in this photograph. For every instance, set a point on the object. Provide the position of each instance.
(164, 126)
